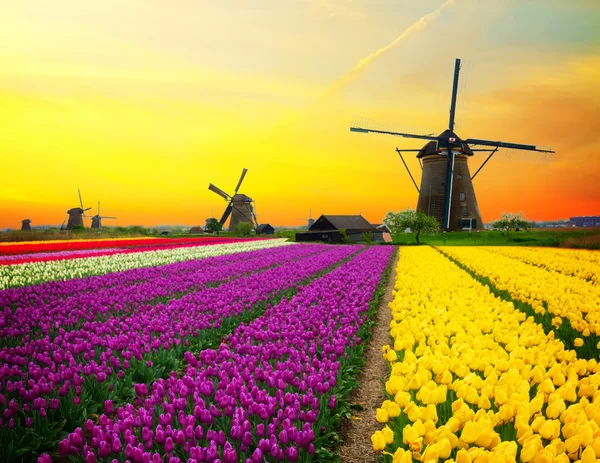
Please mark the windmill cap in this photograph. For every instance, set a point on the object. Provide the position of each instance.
(443, 140)
(241, 198)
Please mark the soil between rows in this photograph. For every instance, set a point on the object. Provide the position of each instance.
(356, 432)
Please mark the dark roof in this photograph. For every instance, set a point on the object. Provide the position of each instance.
(345, 222)
(262, 226)
(431, 147)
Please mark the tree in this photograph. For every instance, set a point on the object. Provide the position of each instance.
(511, 221)
(418, 222)
(243, 228)
(214, 226)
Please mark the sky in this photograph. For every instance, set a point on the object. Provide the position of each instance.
(142, 103)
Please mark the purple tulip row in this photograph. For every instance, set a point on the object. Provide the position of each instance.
(34, 311)
(37, 372)
(266, 394)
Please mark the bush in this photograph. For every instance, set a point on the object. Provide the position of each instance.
(367, 237)
(243, 229)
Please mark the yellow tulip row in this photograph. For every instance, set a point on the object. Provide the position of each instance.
(581, 263)
(472, 379)
(560, 295)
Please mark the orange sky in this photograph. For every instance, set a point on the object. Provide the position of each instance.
(141, 105)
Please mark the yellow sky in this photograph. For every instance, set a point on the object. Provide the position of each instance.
(141, 104)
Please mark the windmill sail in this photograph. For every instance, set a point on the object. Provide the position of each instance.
(226, 214)
(217, 190)
(244, 172)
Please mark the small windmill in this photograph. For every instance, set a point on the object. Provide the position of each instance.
(26, 225)
(97, 219)
(239, 206)
(76, 214)
(446, 191)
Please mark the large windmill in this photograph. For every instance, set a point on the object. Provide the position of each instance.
(76, 214)
(239, 206)
(446, 191)
(97, 219)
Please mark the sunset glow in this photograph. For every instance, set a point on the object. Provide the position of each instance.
(141, 104)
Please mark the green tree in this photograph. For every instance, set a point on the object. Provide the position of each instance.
(214, 226)
(243, 229)
(511, 221)
(418, 222)
(367, 237)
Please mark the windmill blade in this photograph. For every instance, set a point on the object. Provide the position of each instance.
(104, 217)
(366, 126)
(244, 172)
(226, 214)
(220, 192)
(98, 207)
(80, 201)
(504, 144)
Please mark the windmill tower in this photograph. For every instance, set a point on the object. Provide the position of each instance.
(76, 214)
(97, 219)
(447, 191)
(239, 206)
(26, 225)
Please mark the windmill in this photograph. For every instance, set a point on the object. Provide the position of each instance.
(97, 219)
(239, 206)
(446, 191)
(76, 214)
(26, 225)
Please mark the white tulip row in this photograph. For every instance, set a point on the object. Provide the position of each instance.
(38, 272)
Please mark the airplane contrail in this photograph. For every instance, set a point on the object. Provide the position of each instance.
(362, 64)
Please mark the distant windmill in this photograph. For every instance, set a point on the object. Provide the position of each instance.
(97, 219)
(446, 191)
(239, 206)
(310, 221)
(76, 214)
(26, 224)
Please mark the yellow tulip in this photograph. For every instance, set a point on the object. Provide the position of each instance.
(388, 435)
(588, 456)
(463, 457)
(470, 432)
(578, 342)
(382, 415)
(378, 441)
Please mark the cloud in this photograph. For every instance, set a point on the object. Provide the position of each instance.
(363, 63)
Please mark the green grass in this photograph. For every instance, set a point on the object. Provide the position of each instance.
(565, 237)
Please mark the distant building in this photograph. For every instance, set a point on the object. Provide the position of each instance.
(329, 228)
(265, 229)
(585, 221)
(196, 230)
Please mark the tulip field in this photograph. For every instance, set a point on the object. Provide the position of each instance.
(188, 350)
(226, 350)
(493, 356)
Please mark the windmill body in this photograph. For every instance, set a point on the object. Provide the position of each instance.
(239, 206)
(97, 219)
(447, 191)
(76, 214)
(75, 217)
(464, 209)
(26, 225)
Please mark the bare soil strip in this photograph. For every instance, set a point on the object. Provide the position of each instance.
(356, 432)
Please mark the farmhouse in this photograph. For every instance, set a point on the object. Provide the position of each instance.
(265, 229)
(330, 228)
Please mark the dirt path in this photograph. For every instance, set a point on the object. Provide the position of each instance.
(356, 433)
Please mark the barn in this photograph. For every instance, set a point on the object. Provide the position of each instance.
(331, 229)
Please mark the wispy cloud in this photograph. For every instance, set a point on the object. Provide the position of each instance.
(363, 63)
